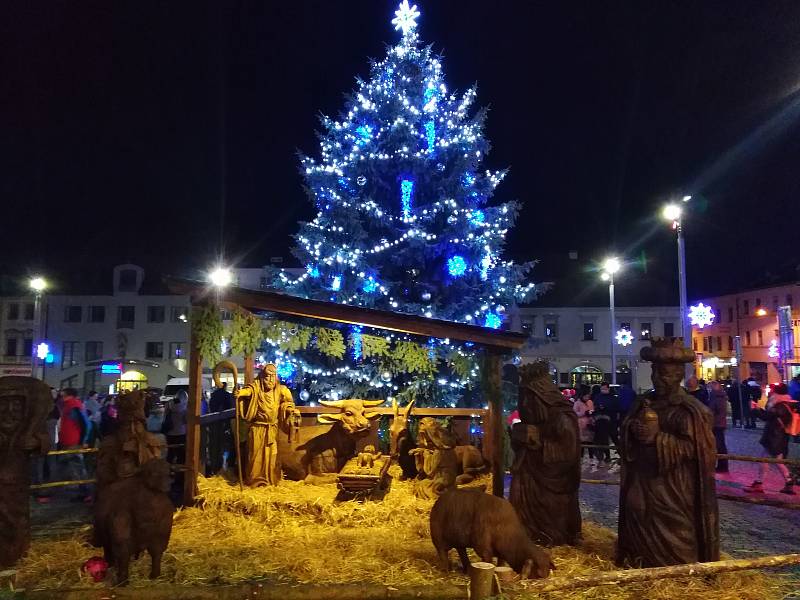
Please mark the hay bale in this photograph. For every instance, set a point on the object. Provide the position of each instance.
(296, 533)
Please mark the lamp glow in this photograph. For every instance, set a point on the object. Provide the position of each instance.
(671, 212)
(38, 284)
(761, 312)
(220, 277)
(611, 265)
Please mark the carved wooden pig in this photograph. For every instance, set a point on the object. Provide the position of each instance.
(135, 514)
(464, 519)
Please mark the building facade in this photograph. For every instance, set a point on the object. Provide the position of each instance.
(119, 341)
(576, 341)
(751, 315)
(17, 335)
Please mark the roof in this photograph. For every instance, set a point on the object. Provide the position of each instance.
(257, 300)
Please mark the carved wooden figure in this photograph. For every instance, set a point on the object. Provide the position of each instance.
(24, 405)
(668, 510)
(122, 453)
(135, 514)
(437, 463)
(546, 470)
(270, 411)
(320, 451)
(400, 440)
(470, 518)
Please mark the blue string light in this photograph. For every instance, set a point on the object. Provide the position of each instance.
(356, 338)
(370, 285)
(478, 217)
(456, 266)
(336, 284)
(285, 370)
(406, 190)
(468, 179)
(312, 271)
(365, 133)
(492, 321)
(430, 132)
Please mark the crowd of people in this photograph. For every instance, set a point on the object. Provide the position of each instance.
(601, 411)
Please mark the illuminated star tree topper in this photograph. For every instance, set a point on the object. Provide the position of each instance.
(406, 18)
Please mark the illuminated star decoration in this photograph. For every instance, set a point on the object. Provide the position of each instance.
(624, 337)
(773, 351)
(405, 17)
(701, 315)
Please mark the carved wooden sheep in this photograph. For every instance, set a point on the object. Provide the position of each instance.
(465, 518)
(135, 514)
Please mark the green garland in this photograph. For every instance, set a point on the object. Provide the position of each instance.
(330, 342)
(246, 333)
(208, 332)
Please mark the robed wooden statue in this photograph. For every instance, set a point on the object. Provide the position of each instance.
(269, 411)
(546, 471)
(668, 506)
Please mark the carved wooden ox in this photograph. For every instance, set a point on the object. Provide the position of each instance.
(322, 450)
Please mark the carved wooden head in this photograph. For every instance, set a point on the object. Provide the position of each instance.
(353, 415)
(399, 423)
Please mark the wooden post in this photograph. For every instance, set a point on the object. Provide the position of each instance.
(492, 389)
(481, 580)
(249, 369)
(193, 422)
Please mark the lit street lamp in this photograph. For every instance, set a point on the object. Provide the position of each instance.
(610, 267)
(220, 277)
(38, 285)
(672, 212)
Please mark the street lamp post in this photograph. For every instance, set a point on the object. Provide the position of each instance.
(673, 213)
(611, 266)
(38, 286)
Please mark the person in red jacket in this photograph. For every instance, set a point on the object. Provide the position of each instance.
(73, 433)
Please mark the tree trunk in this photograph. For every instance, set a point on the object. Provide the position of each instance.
(481, 580)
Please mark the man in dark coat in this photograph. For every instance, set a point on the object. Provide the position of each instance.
(546, 470)
(668, 510)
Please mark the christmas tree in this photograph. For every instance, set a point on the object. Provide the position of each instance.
(405, 220)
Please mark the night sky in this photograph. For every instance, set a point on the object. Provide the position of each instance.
(128, 129)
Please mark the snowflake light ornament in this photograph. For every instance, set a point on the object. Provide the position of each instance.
(701, 315)
(405, 17)
(624, 337)
(773, 351)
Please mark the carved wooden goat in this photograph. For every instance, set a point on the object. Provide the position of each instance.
(401, 442)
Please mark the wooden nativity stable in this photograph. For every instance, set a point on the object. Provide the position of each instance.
(495, 346)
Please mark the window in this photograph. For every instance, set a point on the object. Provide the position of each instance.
(69, 354)
(746, 307)
(529, 327)
(155, 314)
(97, 314)
(11, 346)
(12, 314)
(588, 332)
(758, 302)
(775, 304)
(154, 350)
(178, 314)
(127, 280)
(710, 344)
(91, 380)
(705, 344)
(126, 317)
(72, 314)
(760, 338)
(719, 343)
(551, 331)
(94, 351)
(624, 325)
(669, 329)
(27, 347)
(69, 382)
(730, 343)
(694, 344)
(177, 350)
(29, 311)
(730, 314)
(788, 299)
(646, 327)
(746, 338)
